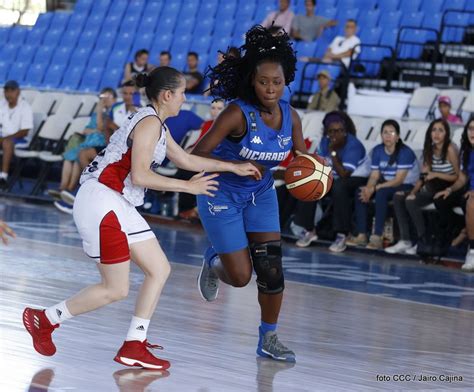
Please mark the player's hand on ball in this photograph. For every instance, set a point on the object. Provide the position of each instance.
(247, 169)
(201, 184)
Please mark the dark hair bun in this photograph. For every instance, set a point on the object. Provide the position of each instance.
(142, 80)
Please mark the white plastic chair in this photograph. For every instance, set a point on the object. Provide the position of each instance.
(88, 104)
(422, 100)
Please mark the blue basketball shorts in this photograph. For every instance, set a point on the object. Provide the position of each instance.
(230, 215)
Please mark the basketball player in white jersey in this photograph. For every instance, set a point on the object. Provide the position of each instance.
(112, 230)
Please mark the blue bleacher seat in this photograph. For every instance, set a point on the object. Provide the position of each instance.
(98, 58)
(226, 10)
(18, 34)
(200, 43)
(413, 49)
(454, 5)
(135, 7)
(106, 40)
(431, 6)
(70, 37)
(94, 22)
(36, 35)
(166, 24)
(207, 9)
(83, 6)
(242, 27)
(326, 12)
(88, 38)
(142, 41)
(326, 3)
(112, 23)
(4, 67)
(410, 5)
(26, 53)
(80, 56)
(129, 23)
(44, 54)
(245, 10)
(61, 55)
(44, 20)
(433, 22)
(72, 77)
(388, 5)
(162, 42)
(219, 43)
(185, 26)
(188, 9)
(178, 60)
(204, 27)
(4, 34)
(347, 13)
(17, 71)
(9, 51)
(77, 21)
(53, 76)
(153, 8)
(111, 78)
(52, 37)
(203, 62)
(171, 9)
(306, 49)
(390, 19)
(60, 20)
(35, 74)
(371, 36)
(368, 19)
(124, 40)
(389, 37)
(148, 23)
(91, 79)
(182, 43)
(412, 19)
(117, 58)
(224, 27)
(452, 33)
(101, 6)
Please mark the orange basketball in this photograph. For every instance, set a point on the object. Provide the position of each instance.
(308, 178)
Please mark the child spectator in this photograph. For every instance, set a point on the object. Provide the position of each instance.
(444, 106)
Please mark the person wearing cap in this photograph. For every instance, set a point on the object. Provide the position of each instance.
(326, 99)
(16, 120)
(444, 106)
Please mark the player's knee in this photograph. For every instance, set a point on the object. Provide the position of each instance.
(241, 280)
(117, 293)
(267, 263)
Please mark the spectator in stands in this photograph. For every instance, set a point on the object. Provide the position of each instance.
(6, 231)
(187, 202)
(81, 150)
(140, 64)
(461, 193)
(345, 153)
(440, 169)
(16, 120)
(326, 99)
(121, 110)
(394, 168)
(165, 59)
(281, 19)
(444, 106)
(308, 27)
(343, 48)
(193, 77)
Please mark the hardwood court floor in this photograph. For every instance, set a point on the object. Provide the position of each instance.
(349, 318)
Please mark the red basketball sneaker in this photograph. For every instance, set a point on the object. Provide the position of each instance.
(40, 329)
(135, 353)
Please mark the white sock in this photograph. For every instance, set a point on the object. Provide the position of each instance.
(215, 262)
(138, 329)
(58, 313)
(4, 175)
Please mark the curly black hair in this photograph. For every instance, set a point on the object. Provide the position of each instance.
(428, 145)
(466, 146)
(232, 78)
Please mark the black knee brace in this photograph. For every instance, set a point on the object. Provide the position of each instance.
(267, 264)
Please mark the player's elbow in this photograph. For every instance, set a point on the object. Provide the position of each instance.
(138, 178)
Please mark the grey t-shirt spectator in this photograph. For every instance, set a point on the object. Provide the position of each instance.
(309, 27)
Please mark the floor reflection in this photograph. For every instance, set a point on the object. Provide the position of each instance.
(137, 379)
(266, 371)
(41, 380)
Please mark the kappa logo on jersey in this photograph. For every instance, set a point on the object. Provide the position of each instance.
(283, 141)
(256, 140)
(213, 209)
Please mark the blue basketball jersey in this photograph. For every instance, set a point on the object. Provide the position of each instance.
(261, 144)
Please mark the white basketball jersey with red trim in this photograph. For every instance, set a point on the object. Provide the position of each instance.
(112, 165)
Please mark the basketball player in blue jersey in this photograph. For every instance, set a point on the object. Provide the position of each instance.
(242, 220)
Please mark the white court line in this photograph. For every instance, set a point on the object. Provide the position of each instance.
(292, 281)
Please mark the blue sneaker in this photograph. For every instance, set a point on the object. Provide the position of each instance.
(63, 207)
(208, 281)
(270, 347)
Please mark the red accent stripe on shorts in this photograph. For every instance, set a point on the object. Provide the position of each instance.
(113, 241)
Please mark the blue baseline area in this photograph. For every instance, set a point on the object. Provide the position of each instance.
(364, 273)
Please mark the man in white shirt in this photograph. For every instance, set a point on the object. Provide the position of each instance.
(281, 19)
(121, 110)
(342, 48)
(16, 120)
